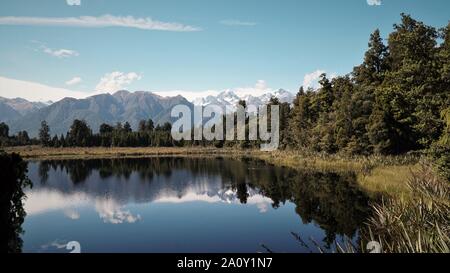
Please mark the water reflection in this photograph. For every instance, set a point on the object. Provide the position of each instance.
(125, 191)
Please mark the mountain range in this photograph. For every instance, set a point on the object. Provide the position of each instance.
(121, 106)
(231, 98)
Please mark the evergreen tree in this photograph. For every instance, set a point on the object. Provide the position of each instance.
(127, 127)
(62, 141)
(368, 77)
(23, 138)
(55, 142)
(342, 118)
(142, 126)
(322, 136)
(150, 126)
(407, 101)
(106, 129)
(441, 149)
(44, 134)
(284, 116)
(301, 118)
(370, 72)
(410, 86)
(4, 130)
(79, 134)
(324, 98)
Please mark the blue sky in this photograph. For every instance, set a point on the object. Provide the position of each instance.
(188, 45)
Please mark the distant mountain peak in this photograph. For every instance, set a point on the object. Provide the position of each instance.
(121, 94)
(231, 98)
(22, 106)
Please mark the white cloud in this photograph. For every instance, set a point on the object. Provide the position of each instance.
(11, 88)
(98, 22)
(113, 213)
(115, 81)
(311, 80)
(43, 201)
(73, 81)
(189, 95)
(259, 89)
(109, 210)
(261, 85)
(233, 23)
(73, 2)
(374, 2)
(61, 53)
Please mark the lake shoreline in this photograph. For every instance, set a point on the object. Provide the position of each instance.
(376, 174)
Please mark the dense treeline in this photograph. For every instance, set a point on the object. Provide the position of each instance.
(81, 135)
(119, 135)
(396, 101)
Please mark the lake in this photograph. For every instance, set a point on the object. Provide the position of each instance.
(187, 205)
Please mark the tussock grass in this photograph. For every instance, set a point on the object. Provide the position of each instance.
(420, 224)
(390, 180)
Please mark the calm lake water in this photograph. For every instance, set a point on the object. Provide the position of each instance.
(187, 205)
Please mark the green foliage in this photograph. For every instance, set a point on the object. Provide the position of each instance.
(421, 225)
(4, 134)
(23, 138)
(441, 150)
(390, 104)
(284, 114)
(12, 213)
(445, 138)
(371, 71)
(79, 135)
(146, 126)
(44, 134)
(20, 139)
(4, 130)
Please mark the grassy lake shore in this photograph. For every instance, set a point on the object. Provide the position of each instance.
(376, 174)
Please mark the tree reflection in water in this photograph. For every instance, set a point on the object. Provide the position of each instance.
(330, 200)
(12, 213)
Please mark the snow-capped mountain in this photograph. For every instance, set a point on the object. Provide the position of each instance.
(231, 98)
